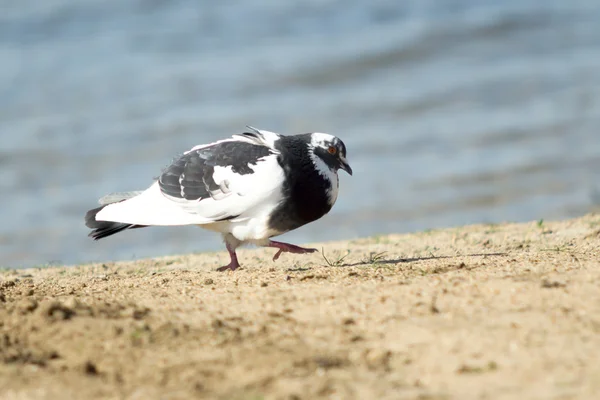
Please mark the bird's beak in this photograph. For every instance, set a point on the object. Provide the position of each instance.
(346, 167)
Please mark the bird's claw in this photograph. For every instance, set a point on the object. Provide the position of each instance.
(230, 267)
(276, 256)
(290, 248)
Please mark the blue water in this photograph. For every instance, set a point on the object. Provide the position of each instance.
(453, 112)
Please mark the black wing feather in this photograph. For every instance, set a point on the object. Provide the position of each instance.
(190, 177)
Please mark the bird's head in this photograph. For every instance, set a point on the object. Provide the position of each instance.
(331, 150)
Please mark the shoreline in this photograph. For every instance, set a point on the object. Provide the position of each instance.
(505, 311)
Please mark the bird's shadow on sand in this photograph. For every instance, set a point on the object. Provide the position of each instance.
(396, 261)
(414, 259)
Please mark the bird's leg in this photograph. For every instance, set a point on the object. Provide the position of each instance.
(288, 248)
(234, 264)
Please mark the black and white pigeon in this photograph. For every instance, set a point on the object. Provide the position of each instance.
(250, 188)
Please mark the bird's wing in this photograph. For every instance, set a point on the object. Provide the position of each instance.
(232, 179)
(259, 137)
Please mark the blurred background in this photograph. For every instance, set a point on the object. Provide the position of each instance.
(453, 112)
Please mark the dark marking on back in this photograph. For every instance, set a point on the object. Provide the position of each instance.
(191, 176)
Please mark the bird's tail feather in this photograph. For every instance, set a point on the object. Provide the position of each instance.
(102, 229)
(117, 197)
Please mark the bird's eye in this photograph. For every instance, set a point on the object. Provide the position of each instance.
(332, 150)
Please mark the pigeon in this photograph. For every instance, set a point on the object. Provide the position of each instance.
(250, 187)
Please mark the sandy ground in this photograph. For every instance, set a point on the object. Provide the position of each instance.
(506, 311)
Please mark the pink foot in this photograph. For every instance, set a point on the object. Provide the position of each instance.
(288, 248)
(234, 264)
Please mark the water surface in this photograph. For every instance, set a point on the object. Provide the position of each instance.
(453, 112)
